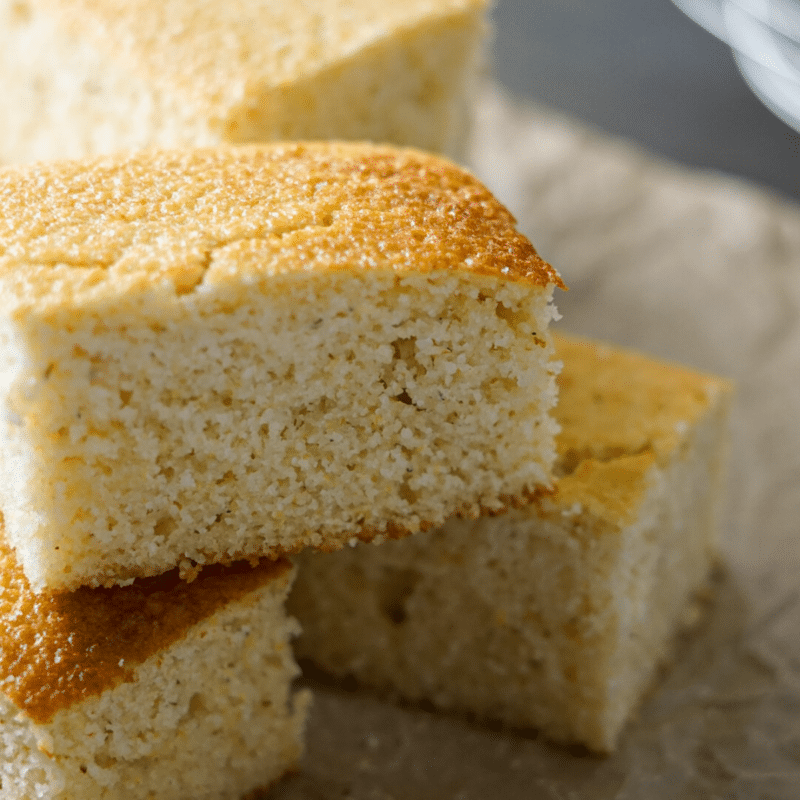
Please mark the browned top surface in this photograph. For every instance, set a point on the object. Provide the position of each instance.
(57, 650)
(86, 230)
(218, 54)
(621, 412)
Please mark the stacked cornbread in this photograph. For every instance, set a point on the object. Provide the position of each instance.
(215, 353)
(177, 328)
(221, 353)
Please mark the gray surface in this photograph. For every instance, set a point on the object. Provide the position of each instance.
(641, 69)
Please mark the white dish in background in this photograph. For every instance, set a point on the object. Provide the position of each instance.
(765, 38)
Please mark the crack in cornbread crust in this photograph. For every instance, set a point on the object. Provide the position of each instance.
(652, 403)
(237, 303)
(57, 650)
(123, 223)
(602, 466)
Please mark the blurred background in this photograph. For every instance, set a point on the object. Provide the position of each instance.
(643, 70)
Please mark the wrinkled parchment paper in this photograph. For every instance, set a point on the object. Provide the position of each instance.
(700, 269)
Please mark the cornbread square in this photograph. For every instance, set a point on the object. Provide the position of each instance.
(555, 615)
(162, 690)
(236, 352)
(87, 77)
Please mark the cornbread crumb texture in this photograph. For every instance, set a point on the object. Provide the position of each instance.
(554, 615)
(158, 690)
(201, 349)
(114, 75)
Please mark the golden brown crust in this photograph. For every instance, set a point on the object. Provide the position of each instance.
(610, 490)
(633, 404)
(632, 413)
(60, 649)
(122, 224)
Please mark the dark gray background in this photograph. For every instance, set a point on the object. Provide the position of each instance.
(641, 69)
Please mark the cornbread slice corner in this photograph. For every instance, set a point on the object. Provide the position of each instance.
(234, 352)
(162, 690)
(555, 615)
(86, 77)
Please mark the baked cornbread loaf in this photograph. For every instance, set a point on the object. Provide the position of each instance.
(239, 352)
(85, 77)
(556, 615)
(158, 690)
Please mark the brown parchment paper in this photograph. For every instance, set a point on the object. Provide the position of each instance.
(693, 267)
